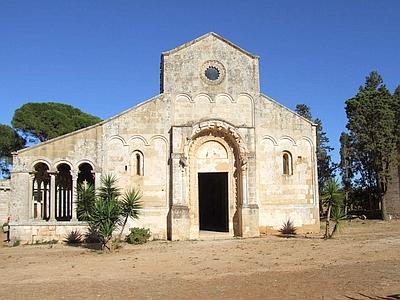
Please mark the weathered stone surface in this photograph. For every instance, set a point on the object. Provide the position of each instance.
(5, 197)
(196, 125)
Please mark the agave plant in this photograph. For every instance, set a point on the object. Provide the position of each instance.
(73, 238)
(130, 206)
(288, 228)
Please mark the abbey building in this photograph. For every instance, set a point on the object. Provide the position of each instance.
(210, 153)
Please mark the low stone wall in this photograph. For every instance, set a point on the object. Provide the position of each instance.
(5, 197)
(44, 231)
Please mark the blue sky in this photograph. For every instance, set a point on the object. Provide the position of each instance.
(104, 56)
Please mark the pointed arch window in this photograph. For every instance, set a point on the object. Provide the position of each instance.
(287, 165)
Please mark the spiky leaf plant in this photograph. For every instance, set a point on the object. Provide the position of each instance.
(73, 238)
(109, 188)
(130, 206)
(338, 215)
(104, 219)
(288, 228)
(86, 197)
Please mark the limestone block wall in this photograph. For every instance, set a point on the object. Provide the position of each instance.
(73, 148)
(136, 151)
(5, 197)
(182, 68)
(33, 232)
(285, 196)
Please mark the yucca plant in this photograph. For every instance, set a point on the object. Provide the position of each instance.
(104, 219)
(332, 196)
(338, 215)
(109, 188)
(130, 206)
(86, 197)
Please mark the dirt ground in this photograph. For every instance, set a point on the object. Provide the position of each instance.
(363, 262)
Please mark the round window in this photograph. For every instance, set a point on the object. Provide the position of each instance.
(212, 73)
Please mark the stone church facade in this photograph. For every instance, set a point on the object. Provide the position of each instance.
(210, 153)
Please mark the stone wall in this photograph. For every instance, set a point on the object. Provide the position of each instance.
(285, 196)
(5, 197)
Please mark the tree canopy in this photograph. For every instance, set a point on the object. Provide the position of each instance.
(49, 120)
(325, 165)
(10, 141)
(373, 136)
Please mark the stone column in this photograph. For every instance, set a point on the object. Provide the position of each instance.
(97, 180)
(74, 195)
(30, 196)
(179, 213)
(53, 192)
(250, 215)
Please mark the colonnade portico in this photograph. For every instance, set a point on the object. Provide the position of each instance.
(48, 201)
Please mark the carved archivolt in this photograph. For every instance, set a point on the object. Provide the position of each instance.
(223, 130)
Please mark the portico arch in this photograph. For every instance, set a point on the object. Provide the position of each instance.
(216, 148)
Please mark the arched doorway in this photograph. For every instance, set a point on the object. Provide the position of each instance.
(215, 179)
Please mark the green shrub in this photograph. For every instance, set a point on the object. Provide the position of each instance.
(73, 238)
(91, 237)
(138, 236)
(288, 228)
(16, 243)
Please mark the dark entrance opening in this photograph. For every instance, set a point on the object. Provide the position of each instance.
(213, 201)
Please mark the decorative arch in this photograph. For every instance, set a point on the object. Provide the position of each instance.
(196, 98)
(234, 163)
(64, 192)
(37, 161)
(63, 161)
(119, 138)
(138, 137)
(221, 128)
(288, 138)
(41, 191)
(270, 138)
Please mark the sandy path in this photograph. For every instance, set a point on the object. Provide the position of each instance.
(364, 260)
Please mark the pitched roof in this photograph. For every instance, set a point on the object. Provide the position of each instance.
(205, 36)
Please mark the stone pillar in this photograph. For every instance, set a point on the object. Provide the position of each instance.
(53, 192)
(97, 180)
(74, 195)
(250, 213)
(179, 211)
(30, 196)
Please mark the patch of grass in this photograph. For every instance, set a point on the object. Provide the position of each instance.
(16, 243)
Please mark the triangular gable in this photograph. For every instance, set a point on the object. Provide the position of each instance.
(188, 44)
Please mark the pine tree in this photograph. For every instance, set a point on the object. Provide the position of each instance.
(325, 165)
(371, 123)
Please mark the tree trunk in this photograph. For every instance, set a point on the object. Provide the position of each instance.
(334, 229)
(123, 227)
(328, 218)
(383, 209)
